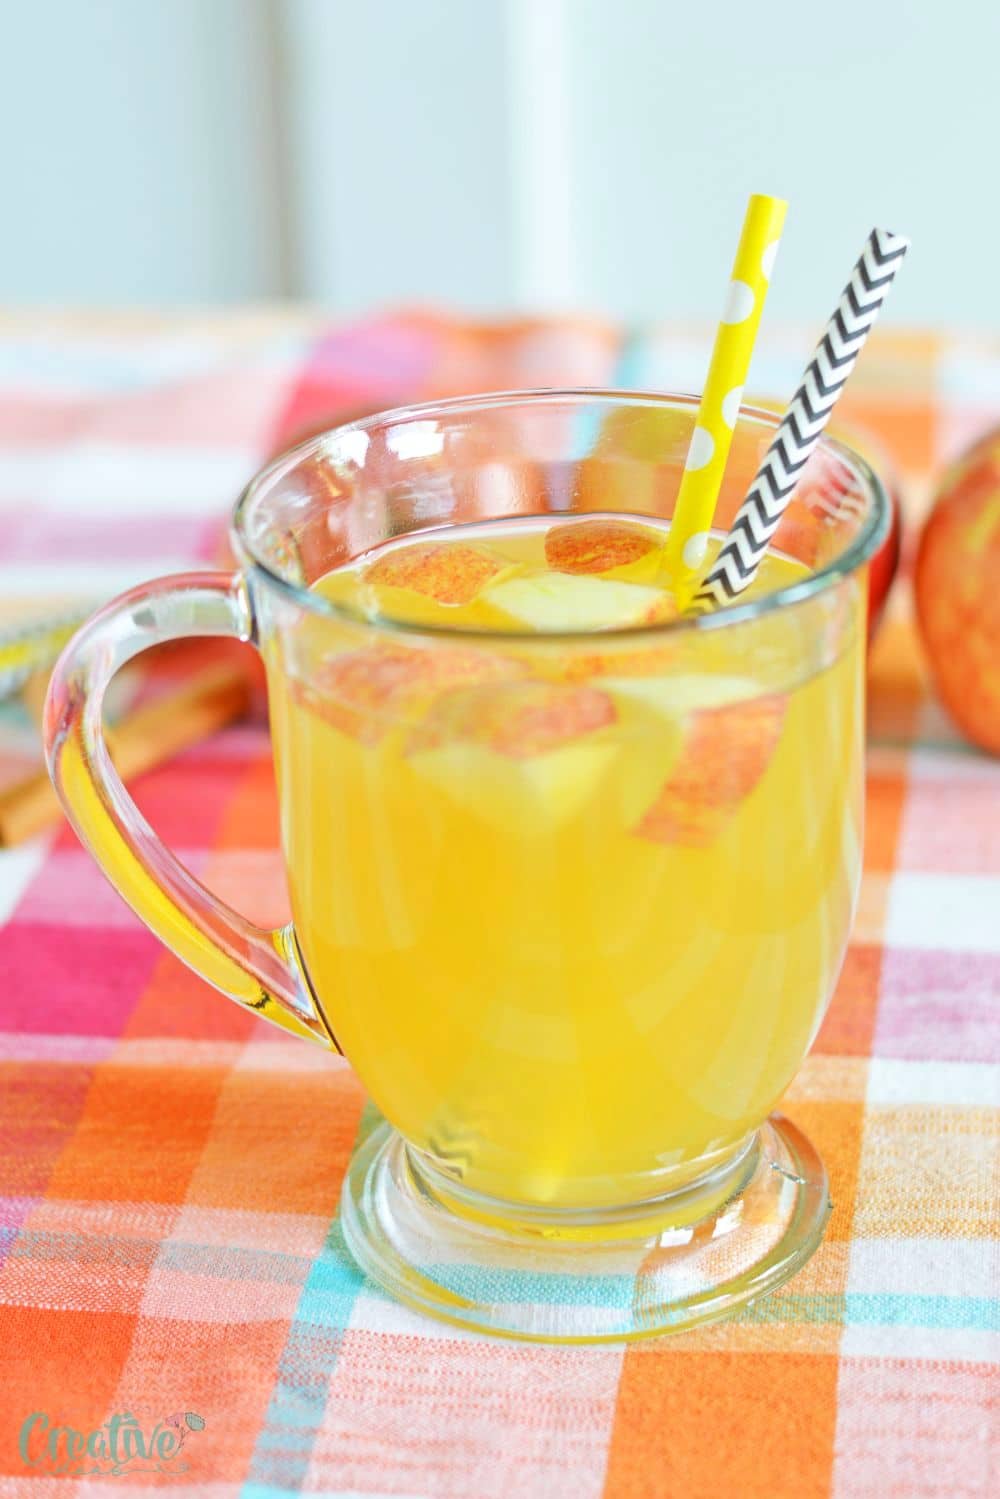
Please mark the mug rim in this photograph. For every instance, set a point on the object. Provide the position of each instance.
(870, 536)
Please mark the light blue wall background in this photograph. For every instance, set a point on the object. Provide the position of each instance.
(136, 155)
(859, 112)
(494, 153)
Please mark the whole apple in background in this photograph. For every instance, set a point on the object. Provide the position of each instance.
(883, 566)
(957, 588)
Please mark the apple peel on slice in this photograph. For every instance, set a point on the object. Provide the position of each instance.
(449, 572)
(587, 545)
(516, 719)
(366, 692)
(724, 754)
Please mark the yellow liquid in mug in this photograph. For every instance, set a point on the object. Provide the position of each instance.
(573, 911)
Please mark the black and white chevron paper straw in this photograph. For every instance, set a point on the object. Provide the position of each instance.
(802, 424)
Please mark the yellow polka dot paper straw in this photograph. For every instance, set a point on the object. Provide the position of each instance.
(720, 401)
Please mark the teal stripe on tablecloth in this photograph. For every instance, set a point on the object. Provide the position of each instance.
(524, 1288)
(981, 1313)
(285, 1443)
(857, 1309)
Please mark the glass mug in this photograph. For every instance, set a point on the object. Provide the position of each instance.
(575, 982)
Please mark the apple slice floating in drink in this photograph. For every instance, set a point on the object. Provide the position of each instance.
(367, 692)
(426, 582)
(521, 719)
(613, 548)
(724, 754)
(551, 603)
(448, 572)
(523, 756)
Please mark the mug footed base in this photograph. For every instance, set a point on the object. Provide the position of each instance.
(654, 1269)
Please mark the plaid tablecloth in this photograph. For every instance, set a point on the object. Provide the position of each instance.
(170, 1166)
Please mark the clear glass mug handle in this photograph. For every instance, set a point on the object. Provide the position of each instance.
(257, 968)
